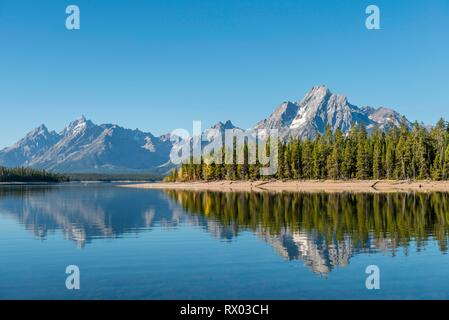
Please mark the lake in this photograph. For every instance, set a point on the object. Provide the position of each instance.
(154, 244)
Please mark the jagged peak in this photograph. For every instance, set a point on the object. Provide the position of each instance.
(320, 90)
(319, 95)
(316, 94)
(227, 125)
(286, 106)
(38, 131)
(80, 122)
(368, 109)
(41, 129)
(74, 127)
(386, 109)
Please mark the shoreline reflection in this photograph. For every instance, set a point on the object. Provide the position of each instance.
(323, 230)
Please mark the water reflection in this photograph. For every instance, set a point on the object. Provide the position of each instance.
(326, 230)
(84, 213)
(322, 230)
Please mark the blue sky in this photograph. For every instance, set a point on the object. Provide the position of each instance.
(157, 65)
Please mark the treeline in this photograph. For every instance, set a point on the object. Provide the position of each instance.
(402, 153)
(115, 177)
(22, 174)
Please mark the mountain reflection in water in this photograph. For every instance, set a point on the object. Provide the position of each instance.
(322, 230)
(326, 230)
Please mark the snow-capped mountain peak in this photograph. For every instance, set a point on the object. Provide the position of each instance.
(228, 125)
(320, 108)
(283, 116)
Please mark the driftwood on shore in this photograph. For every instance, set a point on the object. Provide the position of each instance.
(302, 186)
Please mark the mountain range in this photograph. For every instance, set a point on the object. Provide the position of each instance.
(84, 147)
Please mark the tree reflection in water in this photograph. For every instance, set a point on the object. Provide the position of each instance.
(323, 230)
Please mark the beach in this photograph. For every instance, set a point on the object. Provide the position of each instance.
(301, 186)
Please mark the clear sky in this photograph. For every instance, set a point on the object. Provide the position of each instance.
(157, 65)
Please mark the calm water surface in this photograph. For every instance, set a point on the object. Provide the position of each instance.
(148, 244)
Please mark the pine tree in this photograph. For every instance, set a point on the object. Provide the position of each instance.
(335, 159)
(242, 168)
(390, 154)
(307, 159)
(254, 167)
(422, 161)
(296, 159)
(362, 162)
(281, 163)
(446, 161)
(349, 154)
(439, 138)
(378, 152)
(287, 161)
(318, 158)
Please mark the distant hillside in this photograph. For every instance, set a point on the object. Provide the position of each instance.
(29, 175)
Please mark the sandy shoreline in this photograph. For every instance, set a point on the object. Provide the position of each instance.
(301, 186)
